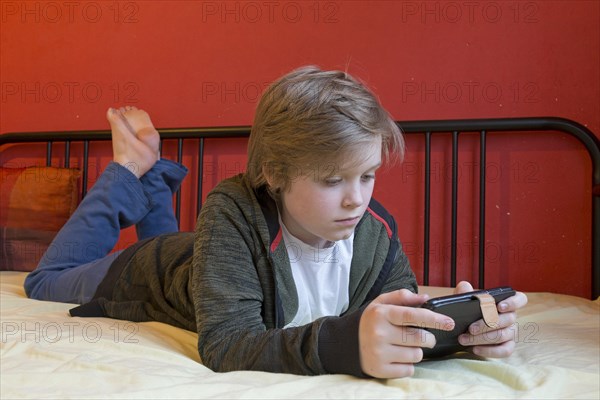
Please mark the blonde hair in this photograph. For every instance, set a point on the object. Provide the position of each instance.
(310, 118)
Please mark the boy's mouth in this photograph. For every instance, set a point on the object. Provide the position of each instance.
(348, 221)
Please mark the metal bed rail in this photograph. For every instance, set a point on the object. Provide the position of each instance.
(428, 128)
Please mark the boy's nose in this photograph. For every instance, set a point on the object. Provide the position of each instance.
(353, 198)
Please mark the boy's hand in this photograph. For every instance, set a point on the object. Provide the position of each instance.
(498, 341)
(391, 336)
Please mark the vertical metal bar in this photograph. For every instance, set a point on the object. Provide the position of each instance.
(426, 215)
(454, 207)
(67, 153)
(200, 176)
(84, 178)
(595, 246)
(178, 193)
(482, 177)
(49, 154)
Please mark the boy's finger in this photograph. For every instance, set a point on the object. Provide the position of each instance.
(419, 318)
(402, 297)
(513, 303)
(496, 351)
(493, 338)
(504, 321)
(413, 337)
(463, 287)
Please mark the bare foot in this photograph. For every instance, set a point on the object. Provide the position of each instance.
(133, 149)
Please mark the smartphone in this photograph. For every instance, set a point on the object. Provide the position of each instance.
(464, 309)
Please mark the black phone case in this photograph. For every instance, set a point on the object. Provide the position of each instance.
(464, 309)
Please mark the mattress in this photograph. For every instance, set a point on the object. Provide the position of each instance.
(45, 353)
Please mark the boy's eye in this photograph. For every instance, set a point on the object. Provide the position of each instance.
(332, 181)
(368, 177)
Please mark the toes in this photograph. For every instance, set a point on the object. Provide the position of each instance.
(112, 114)
(126, 109)
(137, 122)
(126, 123)
(116, 119)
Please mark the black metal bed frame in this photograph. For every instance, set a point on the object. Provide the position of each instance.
(426, 128)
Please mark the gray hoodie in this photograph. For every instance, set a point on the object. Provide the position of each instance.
(231, 282)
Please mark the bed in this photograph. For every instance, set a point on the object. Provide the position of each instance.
(47, 354)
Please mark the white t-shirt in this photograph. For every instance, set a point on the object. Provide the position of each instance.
(322, 277)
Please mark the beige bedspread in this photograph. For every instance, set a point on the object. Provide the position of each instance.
(46, 353)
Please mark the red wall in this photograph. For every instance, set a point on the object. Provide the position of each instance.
(204, 63)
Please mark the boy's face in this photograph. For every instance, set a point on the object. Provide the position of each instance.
(323, 209)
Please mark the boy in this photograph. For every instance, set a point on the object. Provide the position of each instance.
(292, 268)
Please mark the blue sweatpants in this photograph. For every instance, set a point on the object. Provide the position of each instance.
(79, 256)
